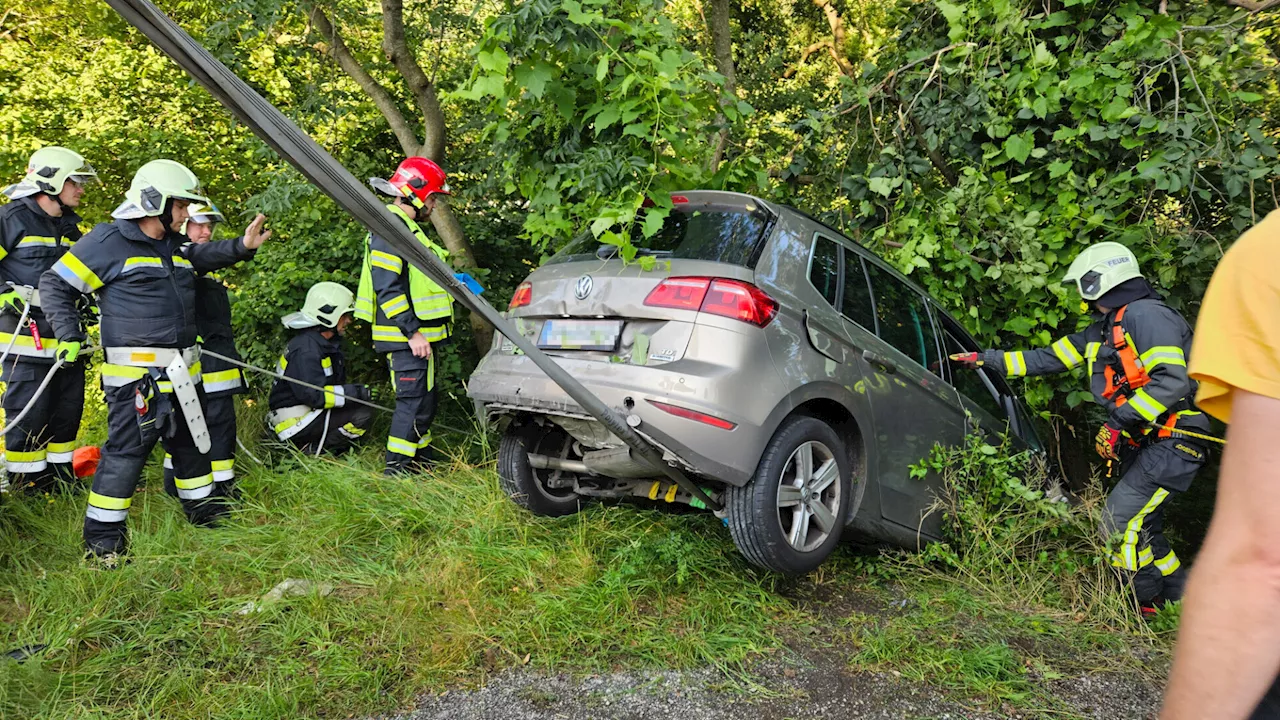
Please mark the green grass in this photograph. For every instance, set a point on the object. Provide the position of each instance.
(438, 581)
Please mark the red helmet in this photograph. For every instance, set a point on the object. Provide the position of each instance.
(417, 178)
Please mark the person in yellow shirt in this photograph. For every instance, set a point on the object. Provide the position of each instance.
(1228, 651)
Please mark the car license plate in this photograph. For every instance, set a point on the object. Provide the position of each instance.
(580, 335)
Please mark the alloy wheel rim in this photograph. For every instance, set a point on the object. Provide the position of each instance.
(809, 496)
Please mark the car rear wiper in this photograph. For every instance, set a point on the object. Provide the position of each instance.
(609, 252)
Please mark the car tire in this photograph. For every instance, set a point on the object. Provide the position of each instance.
(763, 516)
(522, 482)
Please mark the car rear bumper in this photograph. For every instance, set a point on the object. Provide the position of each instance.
(505, 383)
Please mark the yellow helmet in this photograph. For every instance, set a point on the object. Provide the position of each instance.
(154, 185)
(1100, 268)
(326, 303)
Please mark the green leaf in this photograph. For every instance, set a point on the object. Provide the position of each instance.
(640, 129)
(653, 221)
(1249, 97)
(607, 117)
(1019, 147)
(602, 68)
(534, 79)
(576, 16)
(495, 61)
(1058, 168)
(882, 185)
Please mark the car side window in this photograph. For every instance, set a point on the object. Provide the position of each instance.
(970, 384)
(904, 318)
(857, 294)
(824, 269)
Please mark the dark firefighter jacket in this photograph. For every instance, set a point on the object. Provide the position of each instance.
(213, 319)
(146, 288)
(31, 241)
(311, 358)
(1162, 340)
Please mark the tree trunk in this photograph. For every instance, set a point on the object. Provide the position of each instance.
(722, 48)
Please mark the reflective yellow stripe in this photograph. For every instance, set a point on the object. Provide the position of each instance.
(223, 464)
(76, 273)
(1015, 364)
(395, 306)
(1127, 555)
(1148, 407)
(388, 333)
(1168, 564)
(1067, 353)
(123, 372)
(386, 261)
(1145, 556)
(3, 253)
(326, 362)
(37, 240)
(353, 430)
(331, 395)
(179, 261)
(193, 483)
(18, 456)
(26, 341)
(222, 376)
(61, 447)
(1164, 354)
(109, 503)
(137, 262)
(435, 334)
(400, 446)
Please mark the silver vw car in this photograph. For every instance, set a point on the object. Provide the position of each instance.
(792, 373)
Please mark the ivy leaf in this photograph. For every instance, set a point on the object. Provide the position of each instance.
(1019, 147)
(653, 221)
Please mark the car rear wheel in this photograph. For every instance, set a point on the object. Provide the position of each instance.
(531, 488)
(789, 517)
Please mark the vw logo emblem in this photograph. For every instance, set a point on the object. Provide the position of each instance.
(582, 288)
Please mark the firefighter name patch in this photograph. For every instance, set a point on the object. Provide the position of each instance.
(1187, 450)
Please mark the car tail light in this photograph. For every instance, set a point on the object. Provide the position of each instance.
(740, 301)
(681, 293)
(727, 298)
(523, 296)
(688, 414)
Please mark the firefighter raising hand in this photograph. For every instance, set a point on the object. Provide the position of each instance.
(254, 235)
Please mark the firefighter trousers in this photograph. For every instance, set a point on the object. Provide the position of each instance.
(414, 379)
(38, 452)
(220, 416)
(334, 431)
(1133, 520)
(139, 416)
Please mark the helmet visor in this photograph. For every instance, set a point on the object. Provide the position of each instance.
(1091, 285)
(85, 175)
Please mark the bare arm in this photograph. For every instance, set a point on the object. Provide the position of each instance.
(1228, 650)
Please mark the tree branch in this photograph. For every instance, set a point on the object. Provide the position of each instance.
(804, 57)
(1254, 6)
(722, 47)
(401, 56)
(337, 50)
(837, 35)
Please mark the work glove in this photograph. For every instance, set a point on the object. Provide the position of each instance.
(68, 351)
(359, 392)
(973, 360)
(11, 301)
(1107, 439)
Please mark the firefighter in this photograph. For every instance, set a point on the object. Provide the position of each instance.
(35, 230)
(317, 421)
(222, 381)
(144, 274)
(1135, 352)
(410, 313)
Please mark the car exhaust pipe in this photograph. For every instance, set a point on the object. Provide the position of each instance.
(546, 462)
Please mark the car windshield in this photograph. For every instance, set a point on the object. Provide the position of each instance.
(693, 231)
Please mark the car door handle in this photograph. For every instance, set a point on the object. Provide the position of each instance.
(880, 361)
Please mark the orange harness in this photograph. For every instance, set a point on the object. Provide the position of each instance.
(1120, 387)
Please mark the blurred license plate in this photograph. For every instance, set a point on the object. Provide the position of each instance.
(580, 335)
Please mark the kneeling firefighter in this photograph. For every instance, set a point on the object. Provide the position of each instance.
(317, 421)
(222, 381)
(35, 230)
(1135, 352)
(410, 312)
(143, 272)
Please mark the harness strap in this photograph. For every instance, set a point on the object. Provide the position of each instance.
(1135, 374)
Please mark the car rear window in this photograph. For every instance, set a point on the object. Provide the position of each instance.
(695, 231)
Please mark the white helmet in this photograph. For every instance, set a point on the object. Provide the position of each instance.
(154, 185)
(326, 303)
(1100, 268)
(48, 171)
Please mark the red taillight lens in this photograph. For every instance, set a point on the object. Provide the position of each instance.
(688, 414)
(740, 301)
(728, 298)
(682, 293)
(523, 296)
